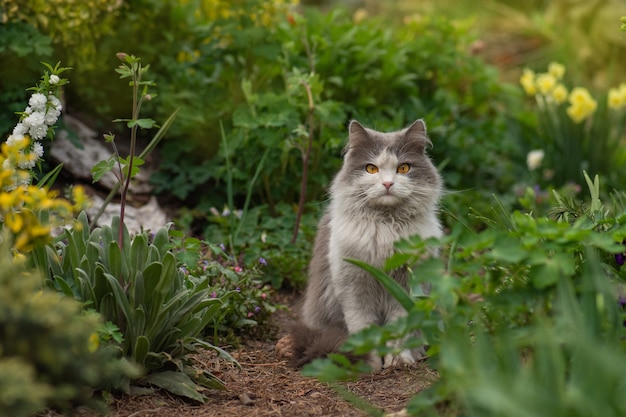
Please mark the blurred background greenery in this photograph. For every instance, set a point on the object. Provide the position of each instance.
(236, 69)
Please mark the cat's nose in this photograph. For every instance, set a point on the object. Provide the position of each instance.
(388, 185)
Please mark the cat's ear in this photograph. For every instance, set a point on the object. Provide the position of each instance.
(416, 133)
(357, 136)
(357, 131)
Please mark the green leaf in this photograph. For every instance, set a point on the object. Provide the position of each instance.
(142, 123)
(177, 383)
(142, 347)
(507, 249)
(101, 168)
(397, 260)
(334, 368)
(387, 282)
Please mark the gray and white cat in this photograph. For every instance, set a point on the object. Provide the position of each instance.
(386, 190)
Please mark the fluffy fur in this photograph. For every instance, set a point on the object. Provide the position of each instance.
(370, 209)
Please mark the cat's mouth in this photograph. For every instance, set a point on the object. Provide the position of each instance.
(388, 198)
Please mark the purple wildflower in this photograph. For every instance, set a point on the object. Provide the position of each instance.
(238, 289)
(222, 247)
(257, 309)
(213, 294)
(262, 261)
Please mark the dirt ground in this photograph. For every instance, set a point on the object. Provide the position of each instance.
(266, 386)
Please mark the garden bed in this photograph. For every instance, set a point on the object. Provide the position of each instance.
(266, 386)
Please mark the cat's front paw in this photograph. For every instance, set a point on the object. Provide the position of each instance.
(405, 357)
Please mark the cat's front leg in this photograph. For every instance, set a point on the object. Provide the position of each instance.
(405, 356)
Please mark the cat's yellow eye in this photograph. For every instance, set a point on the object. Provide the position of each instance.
(372, 169)
(403, 168)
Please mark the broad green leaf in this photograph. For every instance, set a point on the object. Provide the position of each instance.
(115, 260)
(334, 368)
(139, 252)
(387, 282)
(64, 286)
(177, 383)
(397, 260)
(141, 349)
(507, 249)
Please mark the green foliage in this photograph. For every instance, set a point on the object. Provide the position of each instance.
(19, 42)
(518, 314)
(49, 348)
(138, 286)
(246, 299)
(268, 237)
(415, 70)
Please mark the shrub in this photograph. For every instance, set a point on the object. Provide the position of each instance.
(358, 70)
(50, 355)
(139, 286)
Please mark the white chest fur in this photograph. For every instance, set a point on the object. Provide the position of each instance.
(372, 238)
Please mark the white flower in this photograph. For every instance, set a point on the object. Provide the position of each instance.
(7, 165)
(54, 79)
(28, 164)
(534, 159)
(37, 127)
(38, 149)
(51, 116)
(38, 102)
(35, 119)
(19, 130)
(38, 131)
(55, 102)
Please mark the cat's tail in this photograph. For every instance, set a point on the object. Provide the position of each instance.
(303, 344)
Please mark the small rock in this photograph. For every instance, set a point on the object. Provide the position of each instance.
(245, 399)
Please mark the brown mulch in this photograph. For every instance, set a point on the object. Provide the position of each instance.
(266, 386)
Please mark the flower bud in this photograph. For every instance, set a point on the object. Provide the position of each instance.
(121, 56)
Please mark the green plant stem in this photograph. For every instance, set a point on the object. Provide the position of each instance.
(149, 148)
(305, 163)
(136, 74)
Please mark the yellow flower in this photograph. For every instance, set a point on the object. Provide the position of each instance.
(617, 97)
(527, 80)
(559, 93)
(545, 83)
(93, 342)
(556, 70)
(359, 15)
(582, 105)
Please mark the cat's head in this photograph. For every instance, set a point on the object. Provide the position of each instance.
(388, 170)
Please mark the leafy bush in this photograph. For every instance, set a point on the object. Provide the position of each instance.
(269, 238)
(513, 313)
(139, 287)
(50, 354)
(355, 70)
(247, 302)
